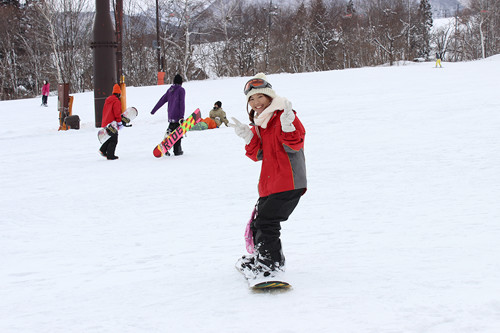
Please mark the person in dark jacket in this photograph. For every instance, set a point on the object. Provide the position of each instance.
(276, 138)
(175, 96)
(112, 115)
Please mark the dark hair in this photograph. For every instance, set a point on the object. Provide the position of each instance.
(251, 114)
(178, 79)
(218, 103)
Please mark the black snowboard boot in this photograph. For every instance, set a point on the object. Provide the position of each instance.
(266, 267)
(177, 148)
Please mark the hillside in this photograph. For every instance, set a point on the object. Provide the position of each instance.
(397, 232)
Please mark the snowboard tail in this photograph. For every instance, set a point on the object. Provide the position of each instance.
(178, 133)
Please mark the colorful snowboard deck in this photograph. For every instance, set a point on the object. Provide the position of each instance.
(272, 285)
(178, 133)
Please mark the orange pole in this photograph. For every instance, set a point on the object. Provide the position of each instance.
(161, 78)
(123, 88)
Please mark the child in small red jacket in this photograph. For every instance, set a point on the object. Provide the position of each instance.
(45, 92)
(276, 138)
(112, 114)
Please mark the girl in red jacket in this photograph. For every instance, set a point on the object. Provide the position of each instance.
(276, 137)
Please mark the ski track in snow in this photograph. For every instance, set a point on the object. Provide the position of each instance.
(398, 231)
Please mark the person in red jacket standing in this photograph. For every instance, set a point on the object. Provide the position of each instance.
(112, 115)
(276, 138)
(45, 92)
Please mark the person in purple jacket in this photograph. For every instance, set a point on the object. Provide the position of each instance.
(175, 96)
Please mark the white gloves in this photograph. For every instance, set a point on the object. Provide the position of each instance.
(287, 118)
(242, 130)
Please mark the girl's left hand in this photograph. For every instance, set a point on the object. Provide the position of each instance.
(287, 118)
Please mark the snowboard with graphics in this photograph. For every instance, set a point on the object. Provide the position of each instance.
(127, 116)
(170, 140)
(258, 282)
(276, 280)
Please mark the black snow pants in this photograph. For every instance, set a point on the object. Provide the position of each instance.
(108, 147)
(177, 145)
(266, 226)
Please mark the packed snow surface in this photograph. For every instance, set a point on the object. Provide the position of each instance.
(398, 232)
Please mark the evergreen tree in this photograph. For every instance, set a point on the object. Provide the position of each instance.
(9, 3)
(320, 34)
(300, 42)
(424, 26)
(350, 10)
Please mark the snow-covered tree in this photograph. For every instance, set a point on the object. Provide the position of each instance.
(423, 28)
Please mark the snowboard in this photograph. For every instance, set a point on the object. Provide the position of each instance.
(170, 140)
(127, 116)
(275, 281)
(271, 285)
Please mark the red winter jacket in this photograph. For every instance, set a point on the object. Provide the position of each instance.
(46, 89)
(282, 155)
(112, 110)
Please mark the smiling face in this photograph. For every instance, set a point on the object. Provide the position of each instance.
(259, 102)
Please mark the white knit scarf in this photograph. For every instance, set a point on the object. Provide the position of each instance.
(278, 103)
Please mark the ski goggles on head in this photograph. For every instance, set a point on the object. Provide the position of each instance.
(255, 84)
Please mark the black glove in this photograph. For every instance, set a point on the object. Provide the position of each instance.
(127, 125)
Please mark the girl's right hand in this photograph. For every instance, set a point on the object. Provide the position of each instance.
(242, 130)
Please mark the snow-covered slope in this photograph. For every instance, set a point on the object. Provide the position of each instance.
(398, 231)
